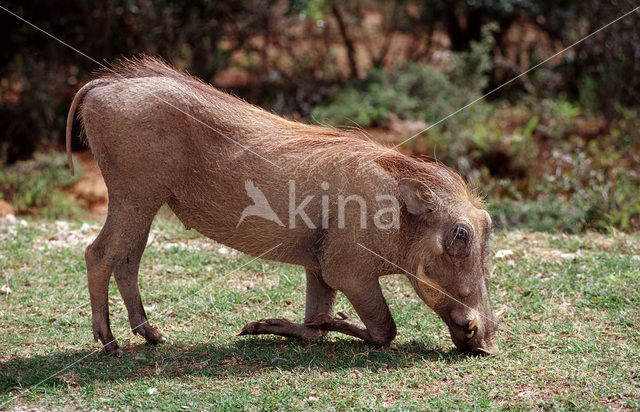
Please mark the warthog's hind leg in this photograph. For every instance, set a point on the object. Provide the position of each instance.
(320, 299)
(118, 248)
(98, 275)
(126, 274)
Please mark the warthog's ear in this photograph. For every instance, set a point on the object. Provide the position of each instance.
(417, 196)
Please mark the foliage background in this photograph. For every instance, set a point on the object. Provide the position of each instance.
(556, 149)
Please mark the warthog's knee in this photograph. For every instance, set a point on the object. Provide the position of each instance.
(102, 253)
(93, 254)
(383, 337)
(312, 334)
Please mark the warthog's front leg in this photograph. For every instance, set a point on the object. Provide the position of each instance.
(368, 301)
(342, 323)
(282, 327)
(320, 300)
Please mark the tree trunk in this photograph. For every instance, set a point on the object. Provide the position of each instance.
(348, 42)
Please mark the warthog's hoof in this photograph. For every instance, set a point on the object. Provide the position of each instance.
(112, 349)
(150, 334)
(161, 341)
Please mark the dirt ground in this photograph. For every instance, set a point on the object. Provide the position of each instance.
(90, 189)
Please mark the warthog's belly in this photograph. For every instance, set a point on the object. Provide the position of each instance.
(254, 236)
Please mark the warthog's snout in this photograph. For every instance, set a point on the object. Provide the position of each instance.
(475, 334)
(462, 301)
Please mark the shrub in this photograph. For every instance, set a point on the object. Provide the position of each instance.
(573, 182)
(36, 187)
(413, 91)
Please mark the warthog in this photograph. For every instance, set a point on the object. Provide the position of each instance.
(160, 136)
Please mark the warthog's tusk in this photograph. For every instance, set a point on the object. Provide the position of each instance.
(473, 325)
(471, 334)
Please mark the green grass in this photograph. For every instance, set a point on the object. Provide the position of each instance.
(569, 338)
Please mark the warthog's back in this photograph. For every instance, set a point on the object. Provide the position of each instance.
(133, 134)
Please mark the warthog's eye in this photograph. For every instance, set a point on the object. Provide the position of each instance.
(458, 240)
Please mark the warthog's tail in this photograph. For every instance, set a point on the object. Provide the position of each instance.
(72, 113)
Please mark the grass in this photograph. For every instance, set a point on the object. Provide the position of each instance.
(569, 338)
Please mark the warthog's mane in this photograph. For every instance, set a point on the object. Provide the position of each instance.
(323, 146)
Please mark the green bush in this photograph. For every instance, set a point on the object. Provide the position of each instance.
(547, 213)
(602, 208)
(572, 183)
(36, 187)
(412, 91)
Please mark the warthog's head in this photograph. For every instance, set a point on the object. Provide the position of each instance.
(448, 255)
